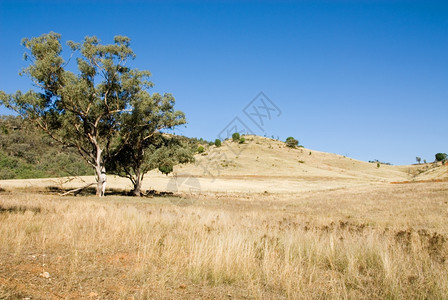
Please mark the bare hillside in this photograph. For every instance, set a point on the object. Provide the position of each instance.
(264, 157)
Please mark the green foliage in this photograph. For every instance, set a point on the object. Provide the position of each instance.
(200, 149)
(376, 161)
(236, 137)
(242, 140)
(218, 143)
(441, 156)
(418, 159)
(291, 142)
(159, 151)
(166, 169)
(26, 152)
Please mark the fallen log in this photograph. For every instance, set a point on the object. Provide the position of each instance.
(76, 190)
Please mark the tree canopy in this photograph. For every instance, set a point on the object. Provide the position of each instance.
(291, 142)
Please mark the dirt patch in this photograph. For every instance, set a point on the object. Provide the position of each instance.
(420, 181)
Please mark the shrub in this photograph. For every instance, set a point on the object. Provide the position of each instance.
(218, 143)
(236, 137)
(166, 169)
(441, 156)
(201, 149)
(291, 142)
(242, 140)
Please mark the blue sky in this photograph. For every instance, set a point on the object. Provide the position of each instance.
(366, 79)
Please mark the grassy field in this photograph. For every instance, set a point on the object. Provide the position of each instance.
(364, 242)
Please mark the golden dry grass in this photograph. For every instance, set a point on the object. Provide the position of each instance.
(366, 242)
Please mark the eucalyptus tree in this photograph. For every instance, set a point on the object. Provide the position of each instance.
(86, 108)
(142, 144)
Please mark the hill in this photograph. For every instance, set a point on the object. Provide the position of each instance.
(264, 157)
(264, 165)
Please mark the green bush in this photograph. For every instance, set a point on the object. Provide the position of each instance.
(291, 142)
(441, 156)
(166, 169)
(218, 143)
(242, 140)
(201, 149)
(236, 137)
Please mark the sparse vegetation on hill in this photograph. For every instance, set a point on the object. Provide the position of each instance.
(291, 142)
(441, 156)
(376, 161)
(26, 152)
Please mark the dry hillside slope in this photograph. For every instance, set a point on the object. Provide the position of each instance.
(261, 165)
(263, 157)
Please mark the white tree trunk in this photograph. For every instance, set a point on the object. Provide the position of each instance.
(100, 174)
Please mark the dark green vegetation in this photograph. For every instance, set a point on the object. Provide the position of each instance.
(236, 137)
(291, 142)
(441, 156)
(218, 143)
(26, 152)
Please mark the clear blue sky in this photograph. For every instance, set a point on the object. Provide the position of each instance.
(367, 79)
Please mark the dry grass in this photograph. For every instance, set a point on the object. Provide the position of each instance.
(379, 242)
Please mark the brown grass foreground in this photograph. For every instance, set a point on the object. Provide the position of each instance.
(372, 242)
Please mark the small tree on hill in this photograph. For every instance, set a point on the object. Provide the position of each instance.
(291, 142)
(218, 143)
(441, 156)
(236, 137)
(418, 159)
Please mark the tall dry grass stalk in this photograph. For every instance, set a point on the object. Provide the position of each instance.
(148, 248)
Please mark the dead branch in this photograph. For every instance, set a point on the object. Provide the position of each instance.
(76, 190)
